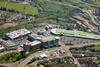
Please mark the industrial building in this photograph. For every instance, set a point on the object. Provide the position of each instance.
(32, 46)
(26, 40)
(47, 42)
(17, 34)
(40, 43)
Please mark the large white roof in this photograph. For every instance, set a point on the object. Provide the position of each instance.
(43, 55)
(49, 38)
(2, 48)
(18, 33)
(36, 42)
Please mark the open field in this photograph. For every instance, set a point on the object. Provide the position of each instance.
(93, 47)
(11, 57)
(66, 9)
(19, 7)
(8, 25)
(55, 10)
(75, 33)
(87, 48)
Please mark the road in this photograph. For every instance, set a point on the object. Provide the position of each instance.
(26, 61)
(84, 11)
(95, 6)
(29, 58)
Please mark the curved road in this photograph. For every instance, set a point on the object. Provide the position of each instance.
(28, 59)
(95, 6)
(84, 11)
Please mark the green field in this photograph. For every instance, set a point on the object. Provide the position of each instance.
(19, 7)
(75, 33)
(87, 48)
(55, 10)
(61, 9)
(12, 57)
(93, 48)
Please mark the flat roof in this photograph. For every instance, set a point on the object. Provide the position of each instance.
(36, 42)
(18, 33)
(44, 38)
(43, 55)
(33, 35)
(49, 38)
(96, 61)
(9, 43)
(2, 48)
(75, 33)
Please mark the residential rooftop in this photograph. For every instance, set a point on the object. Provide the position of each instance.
(96, 61)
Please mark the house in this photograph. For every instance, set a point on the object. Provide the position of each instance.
(96, 63)
(43, 56)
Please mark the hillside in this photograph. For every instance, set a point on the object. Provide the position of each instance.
(57, 10)
(19, 7)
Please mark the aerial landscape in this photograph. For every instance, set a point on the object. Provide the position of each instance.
(49, 33)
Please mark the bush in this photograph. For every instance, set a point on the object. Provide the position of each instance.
(12, 57)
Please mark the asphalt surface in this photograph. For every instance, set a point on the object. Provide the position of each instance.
(29, 58)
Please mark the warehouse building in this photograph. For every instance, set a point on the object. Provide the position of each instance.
(28, 41)
(40, 43)
(46, 42)
(33, 46)
(50, 41)
(17, 34)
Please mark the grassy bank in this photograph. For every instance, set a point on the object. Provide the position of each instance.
(12, 57)
(19, 7)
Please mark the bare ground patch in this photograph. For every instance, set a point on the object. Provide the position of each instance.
(8, 25)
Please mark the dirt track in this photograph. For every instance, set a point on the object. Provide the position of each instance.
(8, 25)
